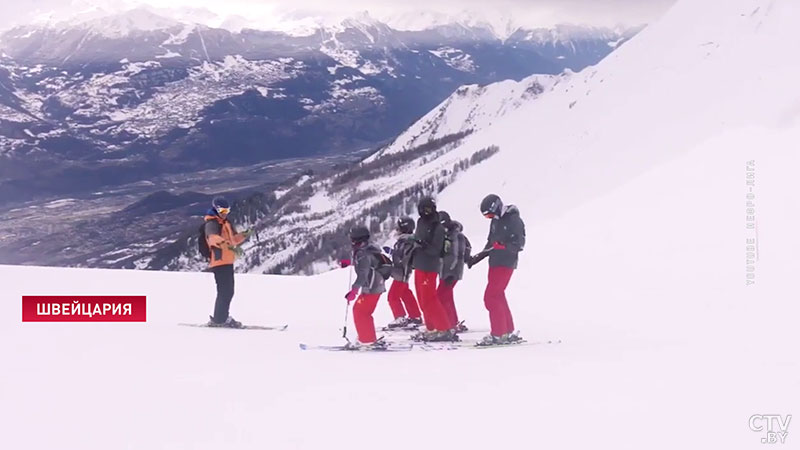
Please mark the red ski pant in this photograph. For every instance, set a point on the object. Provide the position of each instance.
(432, 310)
(400, 294)
(495, 300)
(362, 316)
(445, 294)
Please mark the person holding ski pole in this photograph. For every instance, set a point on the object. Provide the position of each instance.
(506, 239)
(427, 262)
(222, 243)
(457, 249)
(400, 293)
(371, 273)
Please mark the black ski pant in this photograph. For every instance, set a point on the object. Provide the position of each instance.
(223, 275)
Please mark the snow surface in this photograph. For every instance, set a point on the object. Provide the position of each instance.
(472, 107)
(632, 179)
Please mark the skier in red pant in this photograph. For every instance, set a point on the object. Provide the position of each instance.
(427, 262)
(399, 292)
(457, 249)
(506, 240)
(368, 287)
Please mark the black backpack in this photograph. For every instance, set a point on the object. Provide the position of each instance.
(202, 242)
(384, 265)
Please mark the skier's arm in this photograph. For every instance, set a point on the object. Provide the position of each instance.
(213, 234)
(516, 239)
(467, 249)
(362, 268)
(489, 239)
(457, 250)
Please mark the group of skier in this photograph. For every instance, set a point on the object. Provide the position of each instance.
(433, 250)
(436, 250)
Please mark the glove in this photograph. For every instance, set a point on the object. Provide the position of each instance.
(387, 250)
(498, 246)
(247, 233)
(450, 280)
(344, 263)
(350, 296)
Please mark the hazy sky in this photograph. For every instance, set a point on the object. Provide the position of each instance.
(545, 12)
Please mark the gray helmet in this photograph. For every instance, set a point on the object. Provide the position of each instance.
(492, 204)
(359, 235)
(405, 225)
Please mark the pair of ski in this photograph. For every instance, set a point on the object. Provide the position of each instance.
(243, 327)
(425, 346)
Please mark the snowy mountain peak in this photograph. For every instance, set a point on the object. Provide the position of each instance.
(125, 23)
(500, 24)
(99, 22)
(362, 18)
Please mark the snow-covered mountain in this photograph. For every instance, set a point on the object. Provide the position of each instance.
(661, 250)
(305, 228)
(115, 98)
(572, 138)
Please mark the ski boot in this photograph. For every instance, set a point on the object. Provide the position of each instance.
(442, 336)
(512, 338)
(461, 328)
(490, 340)
(414, 321)
(379, 344)
(420, 336)
(400, 322)
(230, 322)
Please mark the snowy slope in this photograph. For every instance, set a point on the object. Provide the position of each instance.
(652, 328)
(472, 108)
(640, 106)
(636, 259)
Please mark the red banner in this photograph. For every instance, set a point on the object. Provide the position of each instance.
(66, 308)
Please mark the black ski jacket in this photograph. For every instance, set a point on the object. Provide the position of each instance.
(367, 278)
(401, 257)
(429, 236)
(509, 230)
(457, 252)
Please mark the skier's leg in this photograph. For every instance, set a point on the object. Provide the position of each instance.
(411, 302)
(421, 286)
(503, 278)
(438, 315)
(492, 299)
(445, 295)
(395, 295)
(362, 316)
(223, 275)
(453, 302)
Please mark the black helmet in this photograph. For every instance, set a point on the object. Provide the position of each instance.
(359, 235)
(444, 219)
(221, 205)
(426, 207)
(405, 225)
(492, 205)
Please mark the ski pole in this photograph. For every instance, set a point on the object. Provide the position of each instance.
(347, 307)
